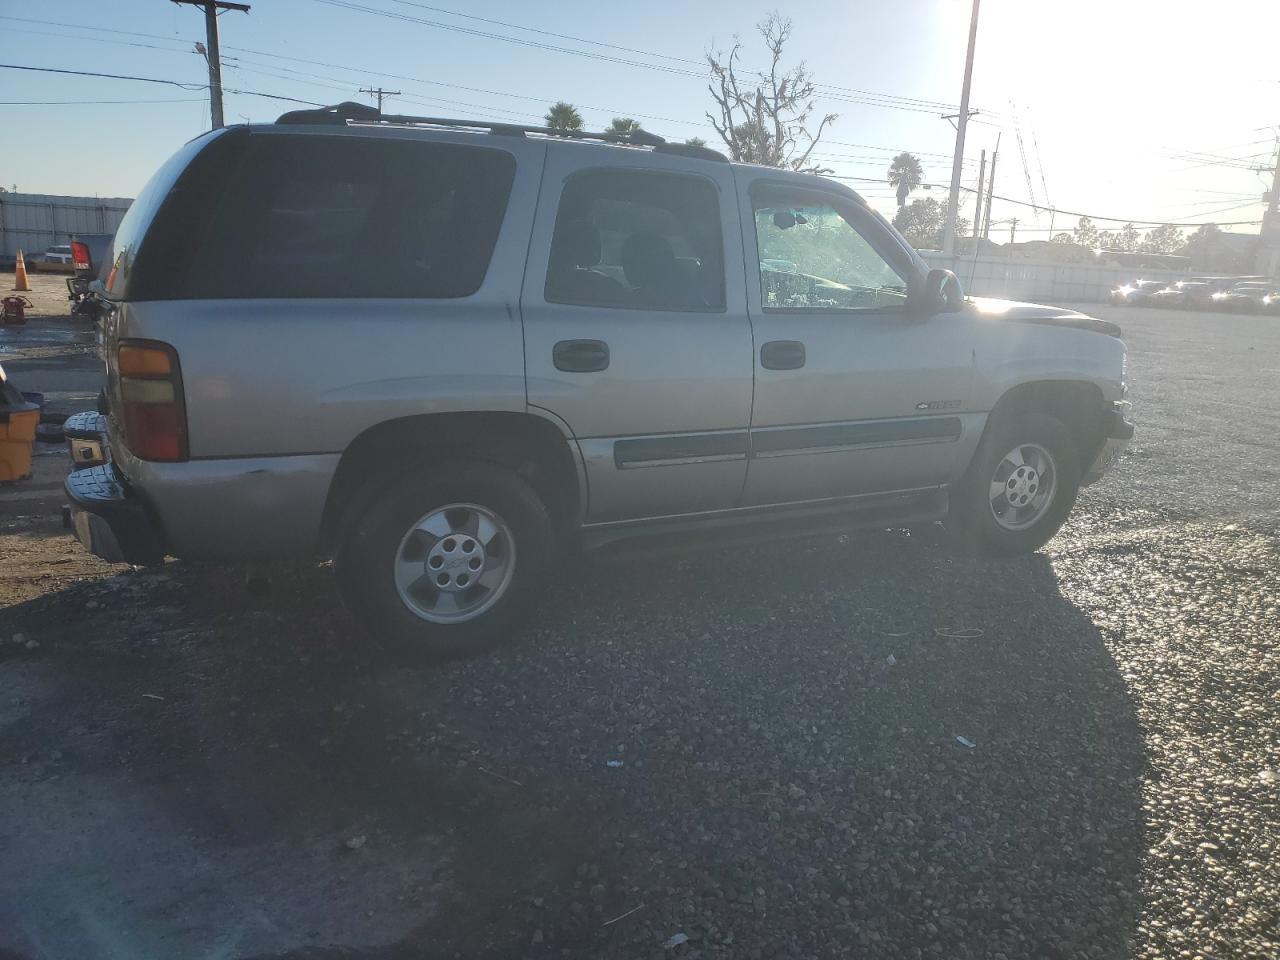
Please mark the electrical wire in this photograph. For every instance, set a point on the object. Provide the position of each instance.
(847, 95)
(67, 103)
(172, 83)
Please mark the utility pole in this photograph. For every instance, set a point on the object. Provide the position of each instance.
(977, 208)
(953, 201)
(1269, 239)
(1013, 229)
(380, 93)
(213, 54)
(991, 187)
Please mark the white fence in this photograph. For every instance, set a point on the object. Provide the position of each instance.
(33, 221)
(988, 276)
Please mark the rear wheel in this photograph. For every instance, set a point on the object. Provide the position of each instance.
(445, 565)
(1019, 489)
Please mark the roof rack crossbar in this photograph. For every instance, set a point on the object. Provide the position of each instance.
(350, 112)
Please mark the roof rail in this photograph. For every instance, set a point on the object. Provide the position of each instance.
(342, 114)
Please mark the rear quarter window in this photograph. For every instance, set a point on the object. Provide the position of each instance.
(300, 216)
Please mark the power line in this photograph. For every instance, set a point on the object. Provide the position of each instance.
(1072, 213)
(918, 105)
(932, 105)
(173, 83)
(866, 98)
(110, 76)
(69, 103)
(81, 26)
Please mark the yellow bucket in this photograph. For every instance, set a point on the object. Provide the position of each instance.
(17, 433)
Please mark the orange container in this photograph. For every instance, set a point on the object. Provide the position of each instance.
(17, 433)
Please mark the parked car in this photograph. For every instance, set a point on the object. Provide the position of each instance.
(552, 345)
(1136, 293)
(1246, 297)
(60, 253)
(91, 254)
(1184, 293)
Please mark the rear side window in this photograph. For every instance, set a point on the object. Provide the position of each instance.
(308, 217)
(629, 238)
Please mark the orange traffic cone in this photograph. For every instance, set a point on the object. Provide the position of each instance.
(20, 281)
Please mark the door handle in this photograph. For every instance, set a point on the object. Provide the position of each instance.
(782, 355)
(580, 356)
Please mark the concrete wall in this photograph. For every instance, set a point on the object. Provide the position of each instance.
(33, 221)
(988, 276)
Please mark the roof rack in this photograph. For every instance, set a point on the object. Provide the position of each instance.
(342, 114)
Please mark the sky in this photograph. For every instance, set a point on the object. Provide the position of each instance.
(1142, 110)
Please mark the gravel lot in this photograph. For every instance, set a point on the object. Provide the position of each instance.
(765, 763)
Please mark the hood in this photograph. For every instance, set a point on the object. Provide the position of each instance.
(1015, 312)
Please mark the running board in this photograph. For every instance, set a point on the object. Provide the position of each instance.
(760, 525)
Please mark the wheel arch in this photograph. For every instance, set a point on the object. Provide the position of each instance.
(1079, 404)
(536, 446)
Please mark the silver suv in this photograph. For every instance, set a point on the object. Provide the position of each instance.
(442, 353)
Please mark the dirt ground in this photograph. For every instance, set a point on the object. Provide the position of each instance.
(748, 753)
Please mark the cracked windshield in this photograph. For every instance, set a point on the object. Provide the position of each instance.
(682, 481)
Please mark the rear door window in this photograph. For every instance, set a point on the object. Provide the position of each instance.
(637, 239)
(308, 217)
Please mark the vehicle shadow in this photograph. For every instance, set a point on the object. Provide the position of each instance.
(789, 777)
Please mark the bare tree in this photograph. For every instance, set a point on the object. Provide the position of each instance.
(765, 117)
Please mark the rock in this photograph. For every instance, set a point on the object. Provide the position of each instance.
(675, 940)
(355, 843)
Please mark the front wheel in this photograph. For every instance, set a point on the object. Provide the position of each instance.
(447, 564)
(1019, 489)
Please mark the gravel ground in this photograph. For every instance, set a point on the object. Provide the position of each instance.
(766, 763)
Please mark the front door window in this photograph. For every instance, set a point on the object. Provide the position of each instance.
(812, 258)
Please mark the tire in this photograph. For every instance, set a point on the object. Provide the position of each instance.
(442, 519)
(1039, 440)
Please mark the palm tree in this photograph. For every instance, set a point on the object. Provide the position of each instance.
(906, 174)
(564, 116)
(623, 125)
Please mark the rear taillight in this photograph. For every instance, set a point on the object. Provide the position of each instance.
(80, 255)
(152, 414)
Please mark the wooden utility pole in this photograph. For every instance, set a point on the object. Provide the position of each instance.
(1269, 235)
(977, 209)
(991, 187)
(380, 93)
(1013, 229)
(212, 53)
(953, 200)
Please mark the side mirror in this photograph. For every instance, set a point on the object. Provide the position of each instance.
(942, 291)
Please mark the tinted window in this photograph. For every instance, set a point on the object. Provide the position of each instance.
(626, 238)
(302, 216)
(812, 257)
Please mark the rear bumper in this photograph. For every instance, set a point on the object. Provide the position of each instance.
(109, 519)
(127, 510)
(1119, 431)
